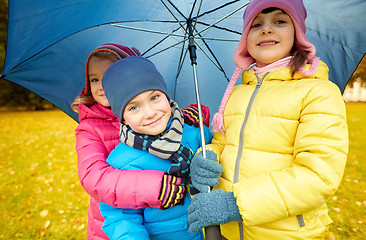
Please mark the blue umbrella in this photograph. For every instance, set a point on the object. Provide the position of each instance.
(49, 41)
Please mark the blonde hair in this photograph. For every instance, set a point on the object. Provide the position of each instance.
(82, 99)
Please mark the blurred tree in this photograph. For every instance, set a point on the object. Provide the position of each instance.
(3, 30)
(360, 73)
(11, 94)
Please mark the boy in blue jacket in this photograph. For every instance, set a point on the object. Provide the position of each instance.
(153, 136)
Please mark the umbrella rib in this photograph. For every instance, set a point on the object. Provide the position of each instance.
(199, 9)
(147, 30)
(222, 6)
(162, 40)
(221, 28)
(175, 7)
(163, 50)
(217, 39)
(182, 27)
(228, 15)
(180, 66)
(193, 6)
(157, 32)
(217, 63)
(177, 35)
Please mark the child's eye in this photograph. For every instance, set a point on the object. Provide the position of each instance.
(132, 108)
(94, 80)
(280, 21)
(256, 25)
(155, 97)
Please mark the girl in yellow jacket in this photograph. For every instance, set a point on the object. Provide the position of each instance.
(280, 138)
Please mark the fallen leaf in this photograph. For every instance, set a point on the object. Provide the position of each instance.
(81, 227)
(336, 209)
(43, 213)
(47, 224)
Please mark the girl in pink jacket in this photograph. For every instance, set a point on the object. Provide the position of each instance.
(96, 136)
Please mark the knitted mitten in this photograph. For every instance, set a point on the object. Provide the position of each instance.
(213, 208)
(205, 172)
(171, 192)
(190, 114)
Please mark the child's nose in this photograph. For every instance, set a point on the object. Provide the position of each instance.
(150, 111)
(100, 85)
(266, 29)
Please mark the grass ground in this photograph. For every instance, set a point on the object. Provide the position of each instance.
(41, 198)
(40, 195)
(348, 206)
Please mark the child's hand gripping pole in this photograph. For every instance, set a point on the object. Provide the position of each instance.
(205, 171)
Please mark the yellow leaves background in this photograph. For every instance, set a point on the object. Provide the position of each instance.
(40, 194)
(348, 207)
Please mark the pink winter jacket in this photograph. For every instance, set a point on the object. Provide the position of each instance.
(96, 136)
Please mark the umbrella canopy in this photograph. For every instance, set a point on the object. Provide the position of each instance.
(49, 41)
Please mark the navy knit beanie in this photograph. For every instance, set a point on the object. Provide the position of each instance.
(129, 77)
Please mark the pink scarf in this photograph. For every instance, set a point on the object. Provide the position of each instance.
(284, 62)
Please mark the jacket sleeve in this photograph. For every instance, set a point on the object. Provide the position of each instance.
(123, 223)
(320, 154)
(217, 144)
(107, 184)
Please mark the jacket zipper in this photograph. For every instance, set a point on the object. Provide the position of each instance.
(299, 217)
(241, 140)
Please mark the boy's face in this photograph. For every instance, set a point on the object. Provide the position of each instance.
(271, 37)
(148, 113)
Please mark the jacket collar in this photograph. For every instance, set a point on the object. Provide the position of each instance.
(284, 74)
(96, 111)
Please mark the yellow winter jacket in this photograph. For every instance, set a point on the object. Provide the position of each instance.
(294, 151)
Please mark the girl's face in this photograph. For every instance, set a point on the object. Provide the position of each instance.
(148, 113)
(271, 37)
(96, 68)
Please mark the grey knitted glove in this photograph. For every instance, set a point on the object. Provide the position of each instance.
(213, 208)
(205, 172)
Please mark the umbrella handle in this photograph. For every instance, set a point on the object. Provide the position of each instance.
(213, 232)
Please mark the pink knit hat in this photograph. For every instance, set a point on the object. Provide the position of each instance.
(296, 10)
(118, 50)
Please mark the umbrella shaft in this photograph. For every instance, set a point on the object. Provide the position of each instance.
(202, 133)
(191, 45)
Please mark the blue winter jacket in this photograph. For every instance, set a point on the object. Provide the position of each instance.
(150, 223)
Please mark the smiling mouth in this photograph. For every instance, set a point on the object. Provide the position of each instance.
(267, 43)
(151, 123)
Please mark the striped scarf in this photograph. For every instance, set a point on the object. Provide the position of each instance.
(165, 146)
